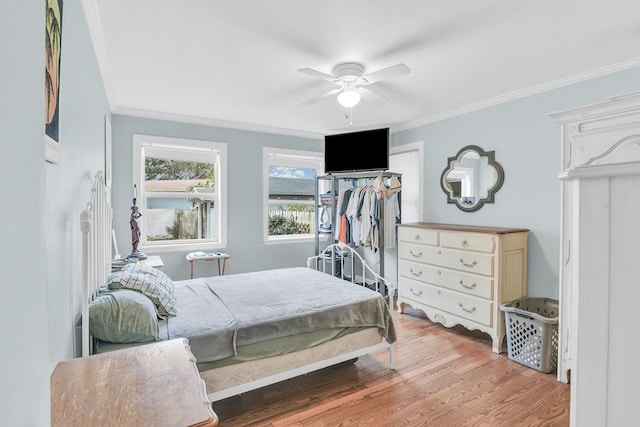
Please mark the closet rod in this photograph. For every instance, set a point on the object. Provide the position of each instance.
(368, 174)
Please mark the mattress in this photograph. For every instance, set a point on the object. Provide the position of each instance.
(222, 313)
(262, 314)
(261, 349)
(220, 380)
(280, 346)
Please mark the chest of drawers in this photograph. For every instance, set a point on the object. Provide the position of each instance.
(459, 275)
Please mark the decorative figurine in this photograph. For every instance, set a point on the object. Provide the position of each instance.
(135, 229)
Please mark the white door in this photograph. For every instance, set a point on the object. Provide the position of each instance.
(408, 160)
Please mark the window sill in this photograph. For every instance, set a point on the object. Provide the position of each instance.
(183, 247)
(288, 239)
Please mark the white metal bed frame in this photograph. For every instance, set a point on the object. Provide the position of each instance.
(337, 253)
(96, 226)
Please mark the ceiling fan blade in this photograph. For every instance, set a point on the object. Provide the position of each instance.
(324, 95)
(387, 73)
(371, 95)
(316, 73)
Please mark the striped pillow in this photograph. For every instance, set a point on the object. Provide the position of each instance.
(149, 281)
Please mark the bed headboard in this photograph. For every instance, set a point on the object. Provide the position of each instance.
(95, 225)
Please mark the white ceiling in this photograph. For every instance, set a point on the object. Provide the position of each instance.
(234, 63)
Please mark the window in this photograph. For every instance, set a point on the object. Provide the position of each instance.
(408, 160)
(289, 193)
(181, 190)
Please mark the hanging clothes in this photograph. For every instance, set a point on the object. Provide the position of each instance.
(391, 212)
(359, 212)
(366, 216)
(344, 235)
(351, 214)
(391, 219)
(338, 219)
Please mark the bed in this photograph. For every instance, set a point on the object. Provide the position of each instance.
(245, 330)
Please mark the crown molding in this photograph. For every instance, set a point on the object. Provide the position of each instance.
(92, 15)
(249, 127)
(521, 93)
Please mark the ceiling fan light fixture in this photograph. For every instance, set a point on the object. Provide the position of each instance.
(351, 82)
(349, 97)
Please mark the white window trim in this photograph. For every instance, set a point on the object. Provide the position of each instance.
(138, 142)
(291, 158)
(418, 147)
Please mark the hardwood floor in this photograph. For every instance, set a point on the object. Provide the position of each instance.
(442, 377)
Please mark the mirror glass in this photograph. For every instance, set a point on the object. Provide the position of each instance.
(471, 178)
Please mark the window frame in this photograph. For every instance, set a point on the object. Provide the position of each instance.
(188, 149)
(275, 156)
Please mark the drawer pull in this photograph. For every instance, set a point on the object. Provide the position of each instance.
(417, 237)
(418, 255)
(419, 293)
(471, 286)
(468, 310)
(419, 273)
(473, 264)
(464, 243)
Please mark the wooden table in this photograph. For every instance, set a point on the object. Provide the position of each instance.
(154, 384)
(202, 256)
(153, 261)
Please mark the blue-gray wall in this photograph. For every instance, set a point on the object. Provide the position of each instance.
(41, 202)
(527, 144)
(244, 195)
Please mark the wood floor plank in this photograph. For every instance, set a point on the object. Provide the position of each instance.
(442, 377)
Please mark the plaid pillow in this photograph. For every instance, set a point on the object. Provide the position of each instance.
(149, 281)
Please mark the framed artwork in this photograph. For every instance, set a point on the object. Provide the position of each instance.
(53, 44)
(107, 151)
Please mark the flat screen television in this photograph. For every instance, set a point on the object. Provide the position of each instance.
(366, 150)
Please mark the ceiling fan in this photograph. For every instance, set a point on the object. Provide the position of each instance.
(352, 84)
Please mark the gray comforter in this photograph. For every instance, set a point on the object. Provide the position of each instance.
(219, 313)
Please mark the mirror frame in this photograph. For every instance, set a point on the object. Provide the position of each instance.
(490, 155)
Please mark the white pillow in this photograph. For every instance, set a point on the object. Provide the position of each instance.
(149, 281)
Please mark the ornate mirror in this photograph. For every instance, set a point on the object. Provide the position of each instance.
(471, 178)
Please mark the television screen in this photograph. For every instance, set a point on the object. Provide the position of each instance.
(357, 151)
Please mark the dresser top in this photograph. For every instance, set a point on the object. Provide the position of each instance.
(468, 228)
(151, 384)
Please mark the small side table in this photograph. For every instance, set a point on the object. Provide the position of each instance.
(153, 261)
(207, 256)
